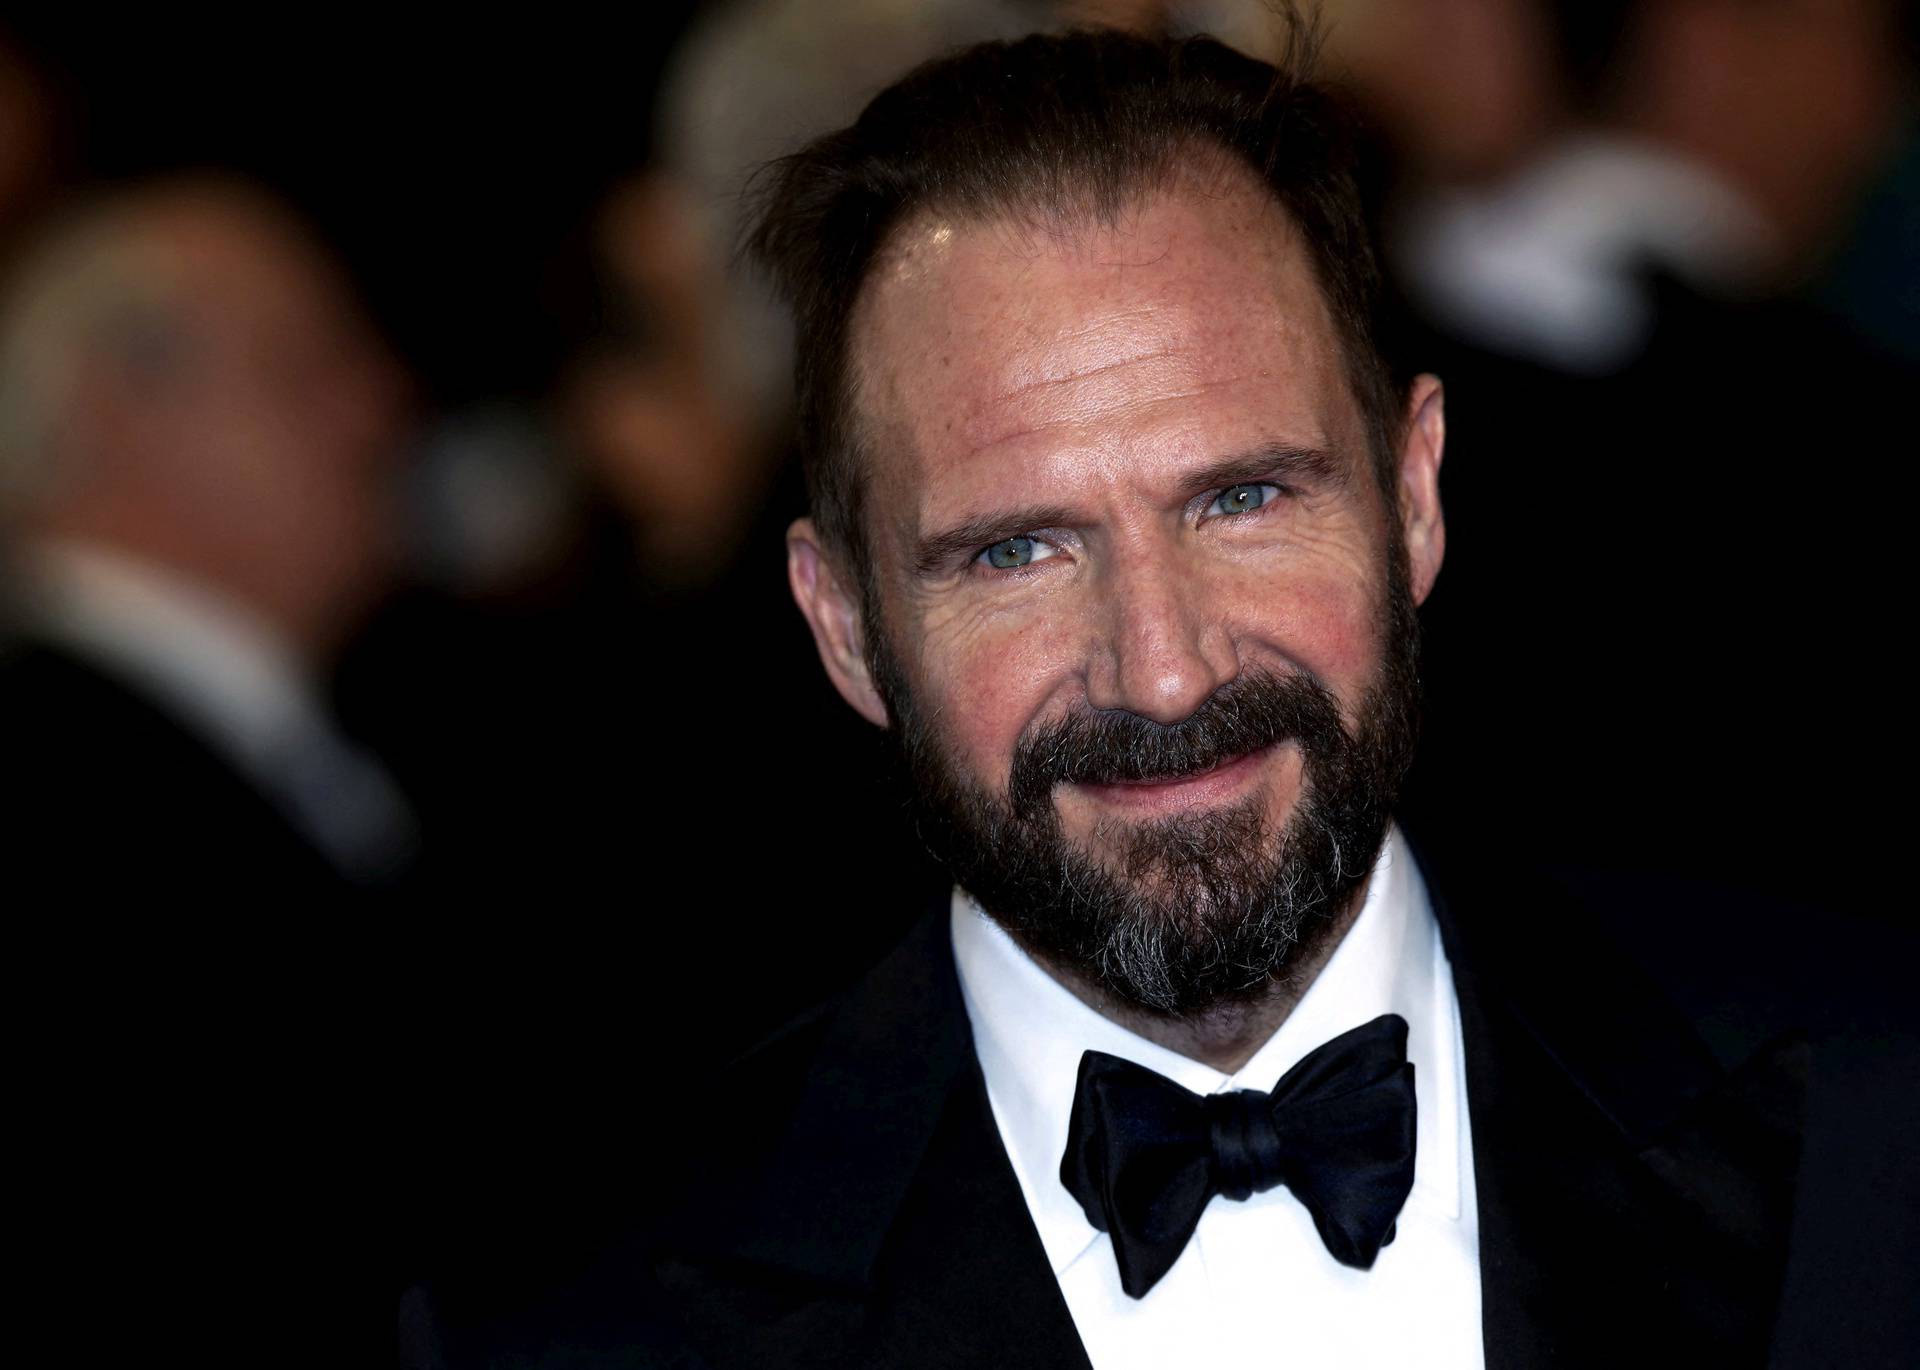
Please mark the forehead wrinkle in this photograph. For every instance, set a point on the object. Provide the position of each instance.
(1066, 380)
(1074, 331)
(1085, 394)
(1068, 377)
(981, 434)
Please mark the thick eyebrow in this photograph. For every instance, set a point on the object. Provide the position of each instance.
(937, 550)
(1283, 462)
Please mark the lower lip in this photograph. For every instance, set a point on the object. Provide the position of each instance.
(1209, 787)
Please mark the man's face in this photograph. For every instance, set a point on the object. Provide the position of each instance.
(1134, 579)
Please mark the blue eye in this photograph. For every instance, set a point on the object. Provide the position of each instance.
(1010, 554)
(1241, 499)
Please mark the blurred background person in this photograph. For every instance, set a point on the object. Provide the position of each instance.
(198, 437)
(1556, 159)
(1604, 221)
(199, 433)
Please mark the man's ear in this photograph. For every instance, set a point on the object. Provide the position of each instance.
(1422, 524)
(832, 609)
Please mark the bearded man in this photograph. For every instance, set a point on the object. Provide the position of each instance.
(1119, 525)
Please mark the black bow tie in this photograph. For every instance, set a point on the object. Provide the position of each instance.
(1145, 1156)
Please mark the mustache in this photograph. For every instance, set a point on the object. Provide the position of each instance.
(1106, 746)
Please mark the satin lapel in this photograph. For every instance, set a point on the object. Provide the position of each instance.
(887, 1227)
(1633, 1197)
(964, 1280)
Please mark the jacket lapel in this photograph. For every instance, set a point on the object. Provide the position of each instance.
(964, 1280)
(1634, 1197)
(886, 1227)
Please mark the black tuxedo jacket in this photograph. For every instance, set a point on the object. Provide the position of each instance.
(1720, 1183)
(107, 794)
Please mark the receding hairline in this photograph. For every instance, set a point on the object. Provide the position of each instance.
(1077, 205)
(1192, 168)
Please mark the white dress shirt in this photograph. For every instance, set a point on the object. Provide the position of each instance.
(232, 680)
(1255, 1285)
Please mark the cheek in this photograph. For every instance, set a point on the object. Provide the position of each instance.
(1335, 631)
(1321, 617)
(990, 677)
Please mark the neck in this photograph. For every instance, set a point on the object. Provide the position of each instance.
(1224, 1035)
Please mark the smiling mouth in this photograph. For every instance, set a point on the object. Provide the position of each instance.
(1197, 787)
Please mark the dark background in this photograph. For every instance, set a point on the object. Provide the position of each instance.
(450, 161)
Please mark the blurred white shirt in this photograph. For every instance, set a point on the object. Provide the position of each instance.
(1550, 264)
(230, 678)
(1255, 1285)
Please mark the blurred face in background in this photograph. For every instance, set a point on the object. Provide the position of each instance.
(1464, 89)
(252, 412)
(1140, 604)
(1796, 101)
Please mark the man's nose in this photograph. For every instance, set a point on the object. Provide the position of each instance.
(1164, 646)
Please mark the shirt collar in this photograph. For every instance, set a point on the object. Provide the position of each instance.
(225, 670)
(1549, 262)
(1030, 1031)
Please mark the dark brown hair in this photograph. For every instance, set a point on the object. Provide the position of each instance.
(1058, 126)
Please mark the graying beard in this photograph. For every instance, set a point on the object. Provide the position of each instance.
(1222, 910)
